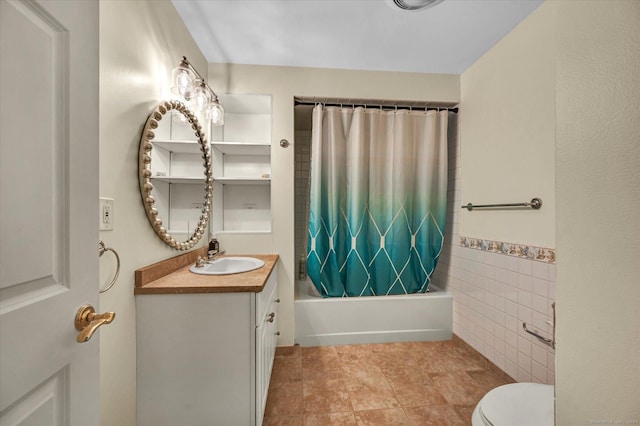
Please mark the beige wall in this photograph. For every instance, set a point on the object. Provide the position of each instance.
(598, 200)
(562, 89)
(283, 83)
(507, 125)
(140, 43)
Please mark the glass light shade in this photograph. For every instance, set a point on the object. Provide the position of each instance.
(201, 97)
(215, 113)
(183, 79)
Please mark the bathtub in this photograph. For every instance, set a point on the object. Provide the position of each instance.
(375, 319)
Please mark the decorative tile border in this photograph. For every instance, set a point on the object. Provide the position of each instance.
(539, 254)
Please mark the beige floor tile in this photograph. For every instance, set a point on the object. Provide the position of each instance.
(331, 419)
(487, 379)
(411, 394)
(288, 351)
(286, 369)
(325, 396)
(283, 421)
(371, 393)
(319, 351)
(360, 365)
(354, 349)
(437, 415)
(325, 366)
(386, 417)
(284, 398)
(458, 388)
(418, 383)
(465, 412)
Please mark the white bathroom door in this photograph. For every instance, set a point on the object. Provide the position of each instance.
(48, 211)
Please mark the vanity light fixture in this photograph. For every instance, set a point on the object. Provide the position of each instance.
(193, 88)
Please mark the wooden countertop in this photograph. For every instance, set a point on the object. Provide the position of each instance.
(172, 276)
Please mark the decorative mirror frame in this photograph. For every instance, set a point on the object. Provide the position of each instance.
(144, 171)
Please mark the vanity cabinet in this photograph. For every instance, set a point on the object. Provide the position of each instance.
(241, 162)
(205, 358)
(177, 175)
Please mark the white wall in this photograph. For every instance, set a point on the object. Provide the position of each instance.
(283, 83)
(507, 126)
(598, 200)
(140, 43)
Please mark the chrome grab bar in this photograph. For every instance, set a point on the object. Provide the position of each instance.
(535, 204)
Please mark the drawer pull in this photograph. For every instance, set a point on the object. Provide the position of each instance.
(277, 333)
(278, 300)
(272, 316)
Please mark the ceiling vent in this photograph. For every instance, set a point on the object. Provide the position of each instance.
(415, 4)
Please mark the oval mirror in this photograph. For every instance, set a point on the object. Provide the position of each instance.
(171, 166)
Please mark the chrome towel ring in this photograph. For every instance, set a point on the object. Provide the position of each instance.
(101, 249)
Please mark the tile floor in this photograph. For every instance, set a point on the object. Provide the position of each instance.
(416, 383)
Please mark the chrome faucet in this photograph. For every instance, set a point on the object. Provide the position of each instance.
(213, 256)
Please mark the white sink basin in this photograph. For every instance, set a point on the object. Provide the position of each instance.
(228, 265)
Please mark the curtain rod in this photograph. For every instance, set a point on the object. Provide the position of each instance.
(378, 106)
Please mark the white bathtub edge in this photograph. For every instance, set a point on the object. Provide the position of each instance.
(373, 337)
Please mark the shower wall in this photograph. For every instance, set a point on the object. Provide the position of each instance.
(302, 148)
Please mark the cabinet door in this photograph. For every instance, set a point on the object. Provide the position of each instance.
(266, 328)
(263, 371)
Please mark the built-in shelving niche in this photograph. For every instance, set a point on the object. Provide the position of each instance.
(177, 175)
(241, 158)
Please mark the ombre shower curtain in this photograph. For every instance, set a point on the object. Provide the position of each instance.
(377, 200)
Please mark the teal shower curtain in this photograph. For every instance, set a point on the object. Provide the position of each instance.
(377, 200)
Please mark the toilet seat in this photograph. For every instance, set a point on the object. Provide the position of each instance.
(522, 404)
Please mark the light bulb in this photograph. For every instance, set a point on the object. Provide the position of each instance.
(215, 113)
(200, 97)
(183, 81)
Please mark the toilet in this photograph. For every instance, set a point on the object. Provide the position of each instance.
(522, 404)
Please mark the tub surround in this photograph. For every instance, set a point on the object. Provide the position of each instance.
(172, 276)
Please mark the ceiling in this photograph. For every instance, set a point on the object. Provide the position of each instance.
(351, 34)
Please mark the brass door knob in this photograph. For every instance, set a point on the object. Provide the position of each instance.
(87, 321)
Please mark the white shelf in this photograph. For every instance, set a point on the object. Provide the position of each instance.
(241, 181)
(242, 148)
(255, 232)
(241, 155)
(180, 179)
(182, 147)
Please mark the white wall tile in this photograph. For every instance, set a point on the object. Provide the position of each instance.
(525, 282)
(541, 270)
(539, 355)
(525, 266)
(540, 287)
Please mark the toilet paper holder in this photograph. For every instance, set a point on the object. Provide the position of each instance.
(547, 341)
